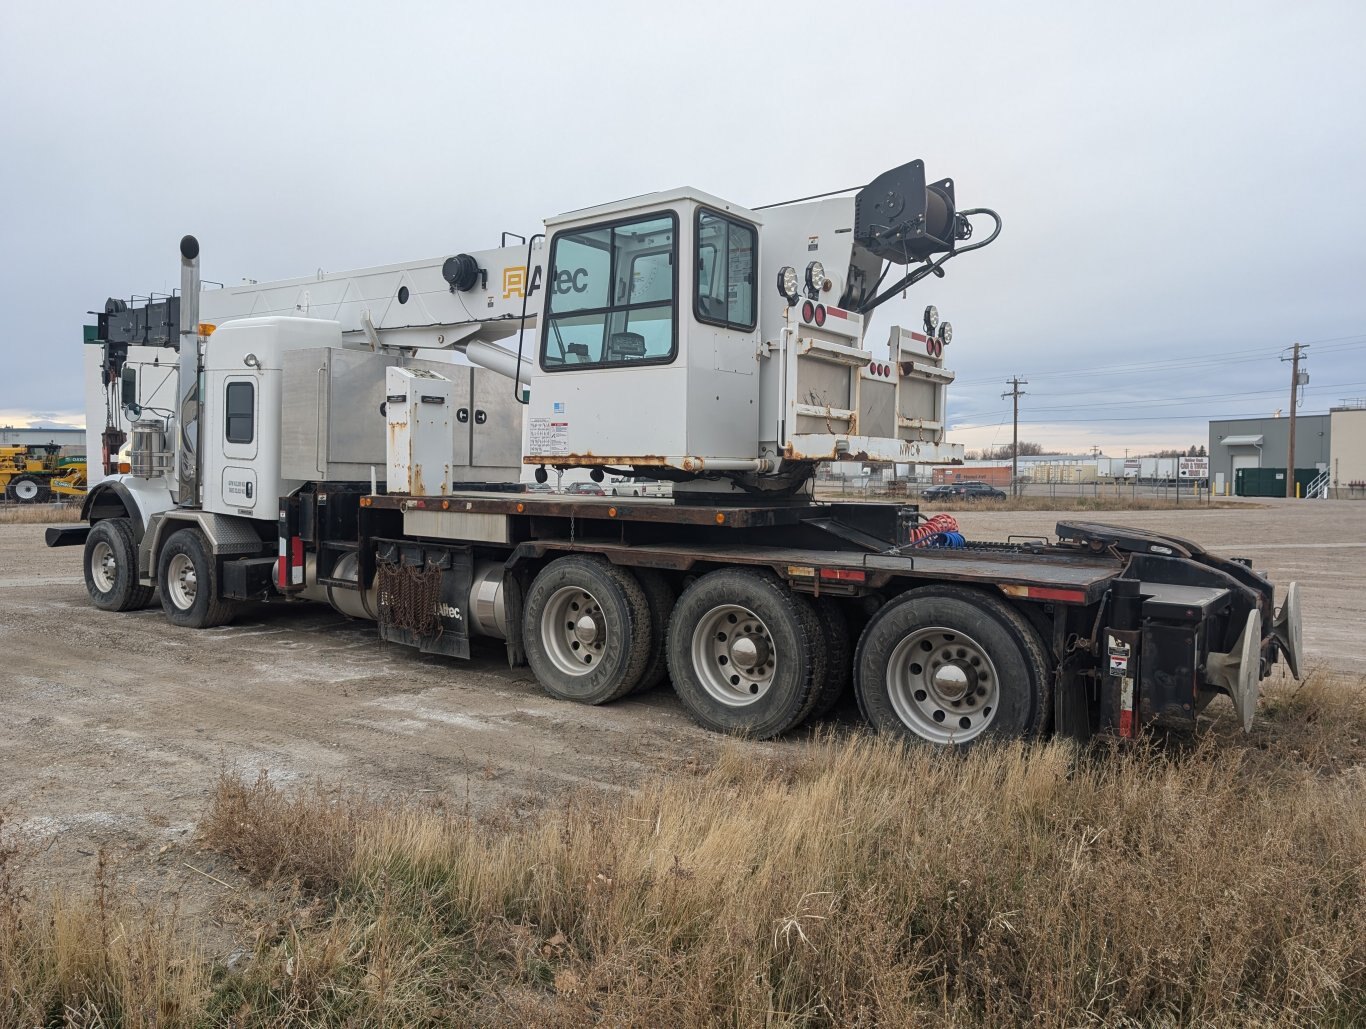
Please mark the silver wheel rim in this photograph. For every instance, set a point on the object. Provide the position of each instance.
(26, 490)
(733, 655)
(943, 685)
(574, 631)
(181, 582)
(104, 567)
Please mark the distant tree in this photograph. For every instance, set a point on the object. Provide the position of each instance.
(1006, 451)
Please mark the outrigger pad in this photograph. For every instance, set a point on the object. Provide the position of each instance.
(1239, 671)
(1131, 541)
(1287, 629)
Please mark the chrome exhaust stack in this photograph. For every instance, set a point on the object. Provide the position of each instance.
(187, 406)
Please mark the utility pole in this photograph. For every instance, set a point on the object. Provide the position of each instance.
(1294, 360)
(1015, 393)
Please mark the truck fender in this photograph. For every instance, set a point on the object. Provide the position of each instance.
(112, 499)
(226, 536)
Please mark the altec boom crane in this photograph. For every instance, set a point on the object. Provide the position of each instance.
(308, 442)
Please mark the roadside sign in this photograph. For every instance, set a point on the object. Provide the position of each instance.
(1192, 468)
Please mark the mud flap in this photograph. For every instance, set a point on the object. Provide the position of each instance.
(512, 605)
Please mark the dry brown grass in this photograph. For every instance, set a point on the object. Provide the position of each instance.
(93, 960)
(39, 514)
(849, 881)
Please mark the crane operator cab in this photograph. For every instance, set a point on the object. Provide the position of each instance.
(688, 338)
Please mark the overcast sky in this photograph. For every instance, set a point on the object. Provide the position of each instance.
(1183, 185)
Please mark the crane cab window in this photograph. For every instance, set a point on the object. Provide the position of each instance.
(240, 412)
(725, 272)
(612, 295)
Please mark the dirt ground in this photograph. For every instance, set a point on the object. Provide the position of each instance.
(115, 726)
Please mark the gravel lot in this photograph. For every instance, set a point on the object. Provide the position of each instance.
(115, 726)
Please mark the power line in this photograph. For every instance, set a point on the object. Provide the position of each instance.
(1176, 401)
(1240, 356)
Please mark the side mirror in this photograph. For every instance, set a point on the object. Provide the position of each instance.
(128, 387)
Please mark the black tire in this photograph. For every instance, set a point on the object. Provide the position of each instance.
(839, 655)
(999, 686)
(660, 598)
(187, 577)
(111, 567)
(615, 608)
(775, 693)
(27, 489)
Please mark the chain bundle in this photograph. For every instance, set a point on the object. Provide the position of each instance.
(409, 597)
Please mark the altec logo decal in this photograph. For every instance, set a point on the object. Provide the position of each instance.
(514, 282)
(566, 281)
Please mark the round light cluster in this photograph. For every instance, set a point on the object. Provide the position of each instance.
(881, 371)
(813, 313)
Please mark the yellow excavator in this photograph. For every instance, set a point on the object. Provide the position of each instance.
(34, 474)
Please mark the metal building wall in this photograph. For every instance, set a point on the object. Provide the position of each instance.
(1311, 442)
(72, 441)
(1347, 455)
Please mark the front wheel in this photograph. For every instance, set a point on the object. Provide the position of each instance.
(187, 576)
(111, 567)
(948, 665)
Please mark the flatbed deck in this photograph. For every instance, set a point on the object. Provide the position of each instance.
(1073, 575)
(625, 509)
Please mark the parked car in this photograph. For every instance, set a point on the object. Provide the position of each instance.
(626, 486)
(585, 489)
(974, 490)
(941, 492)
(969, 490)
(538, 487)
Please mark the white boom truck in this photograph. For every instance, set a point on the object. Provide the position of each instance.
(298, 441)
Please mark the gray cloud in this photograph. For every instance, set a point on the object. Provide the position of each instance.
(1176, 180)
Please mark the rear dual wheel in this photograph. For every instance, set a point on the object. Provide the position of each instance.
(746, 655)
(187, 577)
(587, 629)
(948, 665)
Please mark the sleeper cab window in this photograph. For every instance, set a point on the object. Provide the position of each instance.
(240, 411)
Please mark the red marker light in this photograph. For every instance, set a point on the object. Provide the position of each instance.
(820, 315)
(808, 311)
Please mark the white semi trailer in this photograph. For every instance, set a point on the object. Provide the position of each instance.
(311, 449)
